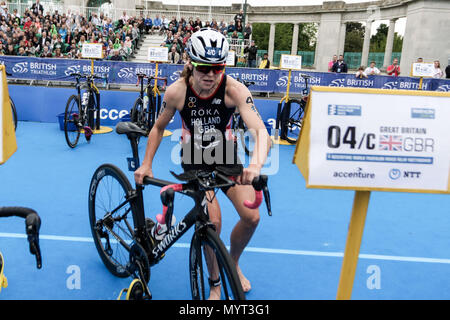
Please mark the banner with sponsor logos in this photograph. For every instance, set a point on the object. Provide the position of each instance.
(364, 139)
(266, 80)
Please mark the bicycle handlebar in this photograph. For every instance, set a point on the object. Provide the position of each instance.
(142, 76)
(32, 226)
(167, 193)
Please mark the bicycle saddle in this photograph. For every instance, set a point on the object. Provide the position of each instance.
(129, 127)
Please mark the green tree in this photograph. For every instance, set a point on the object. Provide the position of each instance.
(354, 37)
(307, 36)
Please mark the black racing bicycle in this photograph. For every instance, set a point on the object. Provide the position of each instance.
(238, 125)
(32, 226)
(290, 114)
(82, 113)
(147, 106)
(127, 241)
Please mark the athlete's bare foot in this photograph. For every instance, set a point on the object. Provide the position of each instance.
(214, 293)
(246, 286)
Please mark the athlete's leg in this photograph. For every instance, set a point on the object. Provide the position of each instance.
(215, 217)
(244, 229)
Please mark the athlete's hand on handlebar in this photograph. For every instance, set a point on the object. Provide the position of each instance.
(141, 173)
(248, 175)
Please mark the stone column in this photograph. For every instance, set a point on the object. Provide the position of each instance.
(271, 43)
(426, 33)
(294, 48)
(342, 34)
(366, 45)
(389, 44)
(327, 40)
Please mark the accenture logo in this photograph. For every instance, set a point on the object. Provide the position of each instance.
(20, 67)
(355, 174)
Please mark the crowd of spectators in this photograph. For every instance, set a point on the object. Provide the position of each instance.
(40, 33)
(55, 35)
(177, 32)
(338, 65)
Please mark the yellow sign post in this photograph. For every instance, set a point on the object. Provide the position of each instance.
(347, 143)
(94, 51)
(8, 143)
(156, 55)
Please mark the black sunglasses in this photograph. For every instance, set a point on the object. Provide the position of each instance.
(206, 68)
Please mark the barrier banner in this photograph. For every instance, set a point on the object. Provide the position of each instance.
(266, 80)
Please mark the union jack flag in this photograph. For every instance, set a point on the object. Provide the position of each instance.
(390, 143)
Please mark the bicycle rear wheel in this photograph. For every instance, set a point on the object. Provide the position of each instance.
(219, 265)
(111, 218)
(72, 118)
(14, 112)
(292, 120)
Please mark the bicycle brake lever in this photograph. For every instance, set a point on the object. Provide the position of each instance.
(33, 224)
(267, 200)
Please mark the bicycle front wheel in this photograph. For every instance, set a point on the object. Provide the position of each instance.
(72, 118)
(292, 120)
(210, 260)
(111, 218)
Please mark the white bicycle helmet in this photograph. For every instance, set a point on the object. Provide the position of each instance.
(208, 46)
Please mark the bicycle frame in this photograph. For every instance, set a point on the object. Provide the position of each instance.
(198, 213)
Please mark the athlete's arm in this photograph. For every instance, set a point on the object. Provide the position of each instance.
(168, 109)
(241, 97)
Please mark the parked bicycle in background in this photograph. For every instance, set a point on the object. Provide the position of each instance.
(82, 113)
(290, 114)
(148, 105)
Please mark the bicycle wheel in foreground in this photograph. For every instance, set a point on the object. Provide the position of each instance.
(218, 266)
(110, 218)
(292, 120)
(72, 118)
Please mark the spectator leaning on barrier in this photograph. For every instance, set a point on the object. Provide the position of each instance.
(447, 72)
(265, 63)
(394, 68)
(332, 62)
(438, 73)
(372, 69)
(361, 73)
(340, 66)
